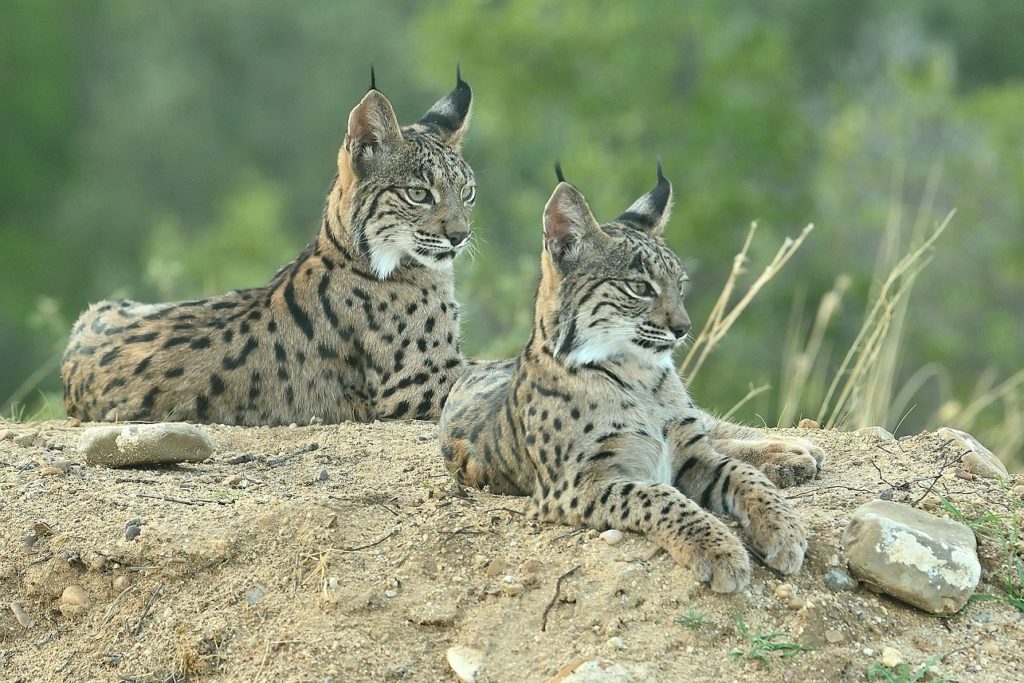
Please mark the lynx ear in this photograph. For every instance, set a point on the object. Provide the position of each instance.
(372, 126)
(567, 221)
(651, 212)
(449, 117)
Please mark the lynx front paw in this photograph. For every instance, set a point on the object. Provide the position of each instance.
(715, 555)
(790, 462)
(778, 536)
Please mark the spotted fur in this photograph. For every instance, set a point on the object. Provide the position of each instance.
(362, 325)
(592, 421)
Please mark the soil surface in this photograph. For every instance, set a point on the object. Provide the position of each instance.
(345, 553)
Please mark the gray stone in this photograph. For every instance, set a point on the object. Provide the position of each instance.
(925, 561)
(979, 460)
(837, 580)
(254, 595)
(151, 444)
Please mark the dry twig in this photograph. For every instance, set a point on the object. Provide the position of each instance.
(149, 605)
(554, 598)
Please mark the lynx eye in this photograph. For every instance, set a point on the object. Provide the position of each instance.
(642, 289)
(469, 193)
(418, 195)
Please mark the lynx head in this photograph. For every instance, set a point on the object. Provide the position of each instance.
(614, 289)
(405, 194)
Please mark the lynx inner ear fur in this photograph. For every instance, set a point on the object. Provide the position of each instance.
(567, 219)
(372, 126)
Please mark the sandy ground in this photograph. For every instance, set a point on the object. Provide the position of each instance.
(358, 560)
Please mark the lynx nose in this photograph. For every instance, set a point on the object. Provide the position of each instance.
(457, 238)
(681, 331)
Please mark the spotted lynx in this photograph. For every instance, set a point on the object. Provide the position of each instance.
(362, 325)
(594, 424)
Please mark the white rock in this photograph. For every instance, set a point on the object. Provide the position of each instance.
(891, 657)
(925, 561)
(468, 663)
(979, 460)
(611, 536)
(166, 442)
(596, 670)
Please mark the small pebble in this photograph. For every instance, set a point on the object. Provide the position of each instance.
(42, 529)
(466, 662)
(808, 423)
(324, 475)
(868, 651)
(29, 541)
(254, 595)
(783, 591)
(837, 580)
(834, 637)
(390, 593)
(611, 536)
(617, 642)
(511, 586)
(876, 432)
(23, 617)
(990, 648)
(131, 532)
(74, 422)
(891, 657)
(74, 596)
(49, 471)
(6, 434)
(796, 603)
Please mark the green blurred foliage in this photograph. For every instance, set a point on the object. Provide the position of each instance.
(172, 150)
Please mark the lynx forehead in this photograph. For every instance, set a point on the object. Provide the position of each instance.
(362, 325)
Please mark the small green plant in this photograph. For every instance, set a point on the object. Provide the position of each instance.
(1004, 531)
(903, 673)
(761, 645)
(693, 619)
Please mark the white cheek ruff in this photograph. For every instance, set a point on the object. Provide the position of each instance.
(384, 259)
(600, 347)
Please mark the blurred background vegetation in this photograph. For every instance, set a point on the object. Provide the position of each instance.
(170, 150)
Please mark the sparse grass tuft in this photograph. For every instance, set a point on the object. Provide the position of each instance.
(1003, 531)
(905, 674)
(693, 619)
(761, 646)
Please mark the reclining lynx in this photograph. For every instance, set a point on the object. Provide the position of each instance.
(592, 421)
(362, 325)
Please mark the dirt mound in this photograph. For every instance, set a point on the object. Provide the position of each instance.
(345, 553)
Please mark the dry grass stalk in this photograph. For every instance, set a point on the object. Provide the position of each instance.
(797, 365)
(722, 317)
(752, 393)
(862, 357)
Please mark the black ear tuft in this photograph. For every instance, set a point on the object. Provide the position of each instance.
(651, 212)
(449, 117)
(558, 172)
(373, 80)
